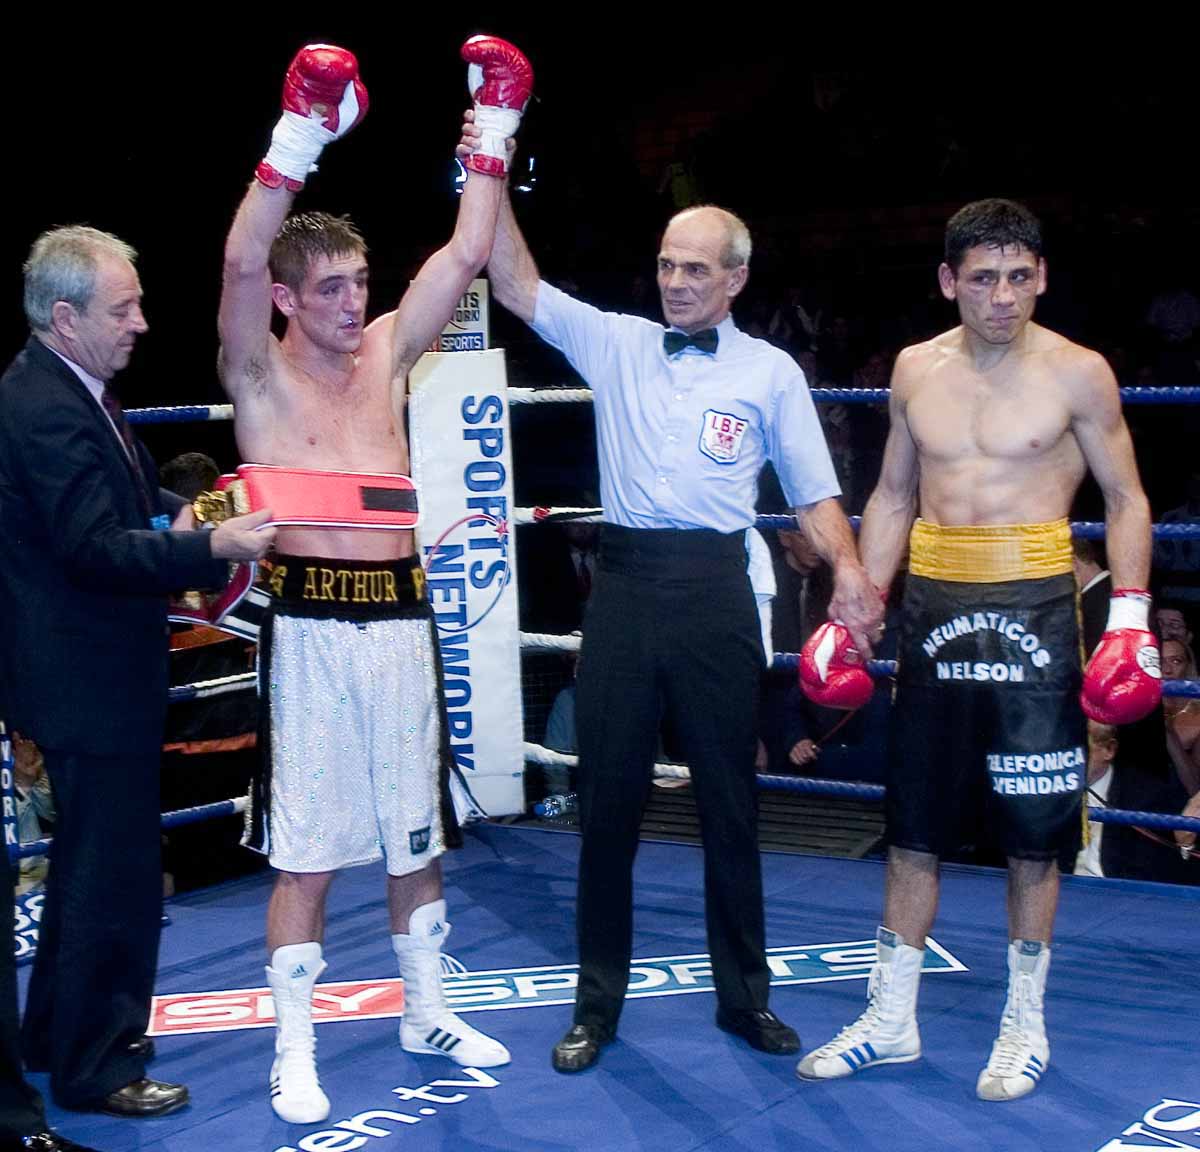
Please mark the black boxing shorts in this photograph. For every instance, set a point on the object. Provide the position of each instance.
(988, 741)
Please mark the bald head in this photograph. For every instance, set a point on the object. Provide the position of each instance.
(735, 249)
(702, 266)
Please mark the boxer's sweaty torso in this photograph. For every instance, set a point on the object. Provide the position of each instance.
(351, 422)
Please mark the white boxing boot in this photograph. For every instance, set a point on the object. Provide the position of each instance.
(1021, 1052)
(886, 1033)
(296, 1092)
(428, 1025)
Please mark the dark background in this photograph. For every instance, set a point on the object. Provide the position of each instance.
(846, 177)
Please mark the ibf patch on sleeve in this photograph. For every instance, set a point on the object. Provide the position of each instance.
(721, 435)
(418, 841)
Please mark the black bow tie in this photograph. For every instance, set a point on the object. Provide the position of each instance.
(706, 341)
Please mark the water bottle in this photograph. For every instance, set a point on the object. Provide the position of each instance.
(562, 804)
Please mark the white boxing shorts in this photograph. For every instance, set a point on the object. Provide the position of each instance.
(353, 720)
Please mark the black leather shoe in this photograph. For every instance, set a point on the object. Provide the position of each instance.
(52, 1142)
(762, 1030)
(144, 1098)
(580, 1048)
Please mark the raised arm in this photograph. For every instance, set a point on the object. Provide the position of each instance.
(323, 98)
(244, 315)
(512, 270)
(888, 516)
(501, 81)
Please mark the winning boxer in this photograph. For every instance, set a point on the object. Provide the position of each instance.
(357, 756)
(993, 426)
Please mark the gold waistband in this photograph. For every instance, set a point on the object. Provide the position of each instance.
(988, 553)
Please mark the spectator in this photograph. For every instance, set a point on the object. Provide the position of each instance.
(1182, 715)
(1184, 837)
(803, 585)
(1102, 751)
(1095, 589)
(189, 474)
(1181, 556)
(560, 735)
(1173, 319)
(1172, 623)
(35, 809)
(557, 562)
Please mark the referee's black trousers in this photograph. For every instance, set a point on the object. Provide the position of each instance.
(671, 628)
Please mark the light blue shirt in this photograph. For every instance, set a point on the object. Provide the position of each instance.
(683, 438)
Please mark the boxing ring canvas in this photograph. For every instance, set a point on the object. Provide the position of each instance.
(1122, 1008)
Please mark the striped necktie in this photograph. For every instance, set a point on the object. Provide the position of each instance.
(116, 414)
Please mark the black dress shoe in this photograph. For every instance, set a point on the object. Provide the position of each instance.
(144, 1098)
(762, 1030)
(52, 1142)
(580, 1047)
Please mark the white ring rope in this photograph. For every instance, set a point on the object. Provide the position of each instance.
(549, 395)
(204, 689)
(544, 642)
(536, 754)
(541, 515)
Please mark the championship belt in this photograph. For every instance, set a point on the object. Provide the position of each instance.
(309, 498)
(302, 497)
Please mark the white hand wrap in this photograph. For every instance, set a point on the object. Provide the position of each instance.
(296, 144)
(1129, 610)
(498, 125)
(297, 141)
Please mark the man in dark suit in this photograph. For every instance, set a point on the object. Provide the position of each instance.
(22, 1116)
(88, 562)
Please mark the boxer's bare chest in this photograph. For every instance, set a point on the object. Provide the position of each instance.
(351, 422)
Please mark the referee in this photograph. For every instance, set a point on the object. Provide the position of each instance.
(686, 417)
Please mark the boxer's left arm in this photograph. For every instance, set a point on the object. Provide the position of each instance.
(500, 80)
(1122, 681)
(1103, 437)
(435, 291)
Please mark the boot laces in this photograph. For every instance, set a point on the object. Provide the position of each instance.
(1017, 1041)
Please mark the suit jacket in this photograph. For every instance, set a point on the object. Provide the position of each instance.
(549, 594)
(84, 579)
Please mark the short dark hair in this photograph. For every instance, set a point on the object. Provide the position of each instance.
(306, 236)
(189, 474)
(991, 223)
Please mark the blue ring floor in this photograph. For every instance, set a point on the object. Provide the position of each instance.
(1123, 1009)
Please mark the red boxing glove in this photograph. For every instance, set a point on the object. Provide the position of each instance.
(1123, 679)
(831, 669)
(323, 98)
(500, 80)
